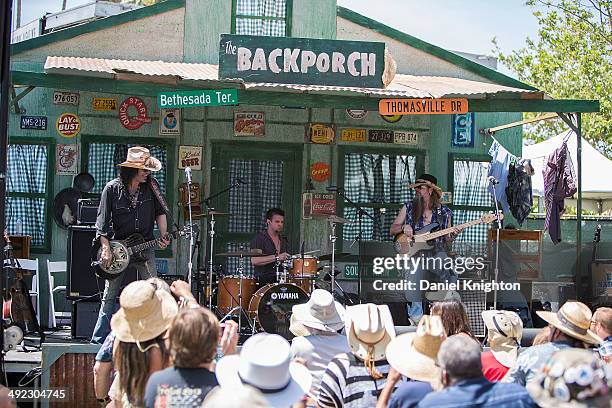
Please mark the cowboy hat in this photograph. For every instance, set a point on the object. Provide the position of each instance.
(139, 157)
(145, 312)
(369, 326)
(414, 354)
(505, 333)
(427, 180)
(573, 377)
(265, 363)
(573, 319)
(320, 312)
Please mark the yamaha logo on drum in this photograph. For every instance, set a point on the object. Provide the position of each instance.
(285, 296)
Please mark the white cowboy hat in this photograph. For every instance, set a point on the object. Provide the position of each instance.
(146, 312)
(573, 319)
(414, 354)
(139, 157)
(265, 363)
(320, 312)
(369, 326)
(505, 333)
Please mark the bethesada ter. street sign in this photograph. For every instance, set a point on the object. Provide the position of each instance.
(190, 99)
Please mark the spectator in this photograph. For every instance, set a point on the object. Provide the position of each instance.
(193, 337)
(321, 317)
(542, 336)
(569, 327)
(573, 378)
(504, 333)
(356, 379)
(139, 325)
(265, 363)
(464, 384)
(244, 397)
(413, 355)
(601, 324)
(454, 318)
(6, 401)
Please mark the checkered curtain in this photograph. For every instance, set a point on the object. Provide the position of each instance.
(376, 179)
(27, 173)
(248, 10)
(103, 158)
(470, 189)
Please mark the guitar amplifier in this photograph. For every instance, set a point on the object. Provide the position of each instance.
(87, 211)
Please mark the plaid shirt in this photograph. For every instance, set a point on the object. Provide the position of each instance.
(440, 215)
(605, 350)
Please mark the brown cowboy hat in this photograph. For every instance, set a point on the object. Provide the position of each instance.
(573, 319)
(427, 180)
(139, 157)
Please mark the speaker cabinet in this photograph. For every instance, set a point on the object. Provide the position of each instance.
(84, 318)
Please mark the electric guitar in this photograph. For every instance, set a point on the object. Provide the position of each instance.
(129, 250)
(419, 242)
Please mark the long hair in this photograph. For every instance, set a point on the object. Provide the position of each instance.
(418, 205)
(454, 317)
(127, 174)
(133, 366)
(193, 337)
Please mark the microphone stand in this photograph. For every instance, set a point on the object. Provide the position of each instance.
(496, 270)
(360, 213)
(211, 234)
(191, 242)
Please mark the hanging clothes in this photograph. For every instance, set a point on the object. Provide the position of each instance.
(498, 169)
(519, 192)
(559, 184)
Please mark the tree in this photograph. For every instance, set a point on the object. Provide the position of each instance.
(571, 58)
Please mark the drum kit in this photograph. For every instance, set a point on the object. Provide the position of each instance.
(268, 308)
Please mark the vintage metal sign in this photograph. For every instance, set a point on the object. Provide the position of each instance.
(462, 131)
(354, 135)
(249, 124)
(320, 171)
(130, 121)
(321, 133)
(190, 99)
(422, 106)
(66, 158)
(33, 122)
(407, 138)
(104, 104)
(323, 204)
(190, 156)
(170, 121)
(68, 125)
(380, 136)
(356, 113)
(302, 60)
(65, 98)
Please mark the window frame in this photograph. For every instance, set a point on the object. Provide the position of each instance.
(170, 144)
(50, 143)
(420, 154)
(454, 157)
(288, 17)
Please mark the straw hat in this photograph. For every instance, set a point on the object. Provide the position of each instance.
(320, 312)
(427, 180)
(265, 363)
(573, 377)
(145, 312)
(573, 319)
(505, 333)
(369, 326)
(139, 157)
(414, 354)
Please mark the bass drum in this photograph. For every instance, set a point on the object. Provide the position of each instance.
(271, 307)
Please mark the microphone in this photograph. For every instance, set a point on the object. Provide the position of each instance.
(332, 189)
(493, 180)
(188, 174)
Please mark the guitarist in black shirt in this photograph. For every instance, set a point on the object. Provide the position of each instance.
(128, 205)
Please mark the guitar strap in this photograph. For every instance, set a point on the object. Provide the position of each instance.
(162, 201)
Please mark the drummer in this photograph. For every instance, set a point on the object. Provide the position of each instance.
(273, 245)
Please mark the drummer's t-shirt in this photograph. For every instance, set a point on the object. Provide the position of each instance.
(264, 242)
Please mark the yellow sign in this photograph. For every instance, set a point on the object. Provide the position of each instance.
(68, 125)
(354, 135)
(321, 133)
(104, 104)
(422, 106)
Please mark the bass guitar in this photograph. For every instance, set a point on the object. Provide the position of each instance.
(129, 250)
(422, 237)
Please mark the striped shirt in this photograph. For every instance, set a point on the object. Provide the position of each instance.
(347, 383)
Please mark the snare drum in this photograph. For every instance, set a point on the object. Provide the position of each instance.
(304, 267)
(271, 307)
(229, 290)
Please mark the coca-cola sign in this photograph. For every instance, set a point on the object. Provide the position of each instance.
(323, 204)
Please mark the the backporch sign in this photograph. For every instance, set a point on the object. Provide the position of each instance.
(444, 106)
(302, 61)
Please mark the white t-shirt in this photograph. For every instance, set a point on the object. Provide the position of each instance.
(318, 350)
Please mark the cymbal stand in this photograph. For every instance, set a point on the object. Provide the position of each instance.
(333, 238)
(239, 306)
(211, 234)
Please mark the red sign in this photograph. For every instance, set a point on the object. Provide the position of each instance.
(323, 204)
(68, 125)
(320, 171)
(133, 122)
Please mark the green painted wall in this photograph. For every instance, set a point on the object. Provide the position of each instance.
(205, 20)
(314, 19)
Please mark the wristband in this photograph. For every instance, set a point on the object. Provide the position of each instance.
(106, 400)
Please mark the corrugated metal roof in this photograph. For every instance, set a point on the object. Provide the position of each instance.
(407, 86)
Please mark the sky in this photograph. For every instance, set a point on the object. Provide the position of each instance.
(467, 25)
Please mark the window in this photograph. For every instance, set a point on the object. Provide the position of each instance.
(29, 188)
(262, 17)
(378, 182)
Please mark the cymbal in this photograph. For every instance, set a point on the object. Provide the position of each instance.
(251, 253)
(215, 213)
(338, 220)
(327, 257)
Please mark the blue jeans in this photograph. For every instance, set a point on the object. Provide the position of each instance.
(144, 270)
